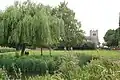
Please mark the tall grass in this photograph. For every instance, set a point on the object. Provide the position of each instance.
(101, 69)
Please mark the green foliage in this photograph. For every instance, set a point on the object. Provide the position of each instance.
(38, 25)
(32, 64)
(31, 24)
(68, 67)
(38, 64)
(46, 77)
(103, 69)
(88, 46)
(83, 59)
(3, 75)
(112, 37)
(73, 32)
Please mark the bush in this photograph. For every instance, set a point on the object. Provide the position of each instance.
(88, 46)
(36, 64)
(31, 64)
(3, 75)
(68, 67)
(102, 69)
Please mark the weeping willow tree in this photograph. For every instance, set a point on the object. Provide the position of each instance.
(1, 29)
(32, 24)
(57, 30)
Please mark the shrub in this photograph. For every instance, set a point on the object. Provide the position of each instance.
(31, 64)
(83, 59)
(3, 75)
(46, 77)
(88, 46)
(102, 69)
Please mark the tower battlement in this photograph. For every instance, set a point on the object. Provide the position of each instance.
(93, 30)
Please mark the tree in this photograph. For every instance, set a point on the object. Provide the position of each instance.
(89, 46)
(1, 29)
(28, 23)
(73, 33)
(117, 36)
(111, 38)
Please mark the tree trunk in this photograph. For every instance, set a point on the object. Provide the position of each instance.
(50, 51)
(17, 47)
(41, 52)
(23, 49)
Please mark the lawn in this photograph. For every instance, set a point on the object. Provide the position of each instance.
(103, 53)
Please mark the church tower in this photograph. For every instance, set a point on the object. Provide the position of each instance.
(94, 36)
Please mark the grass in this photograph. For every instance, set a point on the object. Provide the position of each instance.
(105, 53)
(101, 53)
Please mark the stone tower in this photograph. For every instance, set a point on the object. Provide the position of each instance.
(94, 36)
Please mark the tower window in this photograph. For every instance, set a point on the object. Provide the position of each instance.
(94, 34)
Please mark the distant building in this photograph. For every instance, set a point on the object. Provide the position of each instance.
(93, 37)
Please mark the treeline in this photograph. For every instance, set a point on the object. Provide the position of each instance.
(37, 25)
(82, 46)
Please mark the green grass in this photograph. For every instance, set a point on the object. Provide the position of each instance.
(105, 53)
(46, 52)
(102, 53)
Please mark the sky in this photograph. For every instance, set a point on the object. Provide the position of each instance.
(98, 15)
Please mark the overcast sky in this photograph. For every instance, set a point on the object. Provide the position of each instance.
(93, 14)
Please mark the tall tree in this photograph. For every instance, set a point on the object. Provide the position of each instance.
(73, 33)
(111, 38)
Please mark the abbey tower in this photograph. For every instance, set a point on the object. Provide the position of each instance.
(94, 36)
